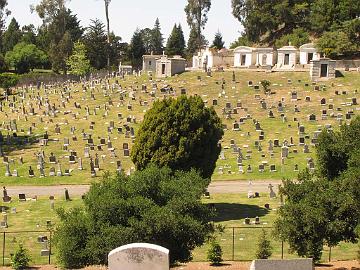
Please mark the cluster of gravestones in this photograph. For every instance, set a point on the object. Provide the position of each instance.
(287, 145)
(51, 101)
(47, 103)
(43, 240)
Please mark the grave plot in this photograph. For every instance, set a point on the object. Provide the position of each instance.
(74, 132)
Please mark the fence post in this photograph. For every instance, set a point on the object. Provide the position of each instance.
(50, 248)
(282, 249)
(233, 244)
(4, 249)
(330, 254)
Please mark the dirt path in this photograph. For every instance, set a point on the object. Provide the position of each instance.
(216, 187)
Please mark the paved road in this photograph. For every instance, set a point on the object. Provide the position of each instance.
(216, 187)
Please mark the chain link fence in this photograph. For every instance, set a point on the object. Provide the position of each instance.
(240, 244)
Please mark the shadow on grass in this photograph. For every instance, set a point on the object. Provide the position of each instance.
(235, 211)
(16, 143)
(219, 264)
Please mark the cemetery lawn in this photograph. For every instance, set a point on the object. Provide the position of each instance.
(30, 222)
(209, 88)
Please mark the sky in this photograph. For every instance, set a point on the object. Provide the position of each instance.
(126, 16)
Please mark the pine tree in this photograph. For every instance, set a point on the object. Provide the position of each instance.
(157, 39)
(218, 42)
(95, 41)
(137, 49)
(11, 36)
(78, 63)
(264, 247)
(176, 42)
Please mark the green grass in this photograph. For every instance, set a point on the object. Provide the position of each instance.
(232, 209)
(28, 223)
(208, 89)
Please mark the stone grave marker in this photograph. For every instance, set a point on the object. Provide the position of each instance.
(293, 264)
(139, 256)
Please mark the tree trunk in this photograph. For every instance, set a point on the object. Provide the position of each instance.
(108, 31)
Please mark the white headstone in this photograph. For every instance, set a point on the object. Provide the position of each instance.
(139, 256)
(295, 264)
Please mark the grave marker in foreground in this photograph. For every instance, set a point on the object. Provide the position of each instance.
(139, 256)
(295, 264)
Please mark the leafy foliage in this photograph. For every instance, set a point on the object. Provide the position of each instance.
(181, 134)
(336, 149)
(241, 41)
(8, 80)
(214, 253)
(78, 62)
(61, 29)
(263, 246)
(265, 84)
(20, 259)
(324, 209)
(335, 43)
(265, 22)
(154, 205)
(25, 57)
(176, 42)
(196, 16)
(297, 38)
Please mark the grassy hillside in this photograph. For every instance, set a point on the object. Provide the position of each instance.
(208, 88)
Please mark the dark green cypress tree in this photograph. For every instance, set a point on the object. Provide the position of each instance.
(176, 42)
(157, 39)
(11, 36)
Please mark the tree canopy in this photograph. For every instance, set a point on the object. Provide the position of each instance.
(181, 134)
(176, 43)
(324, 208)
(78, 63)
(154, 206)
(196, 16)
(265, 22)
(25, 57)
(137, 49)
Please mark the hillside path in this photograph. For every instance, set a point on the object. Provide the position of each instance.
(216, 187)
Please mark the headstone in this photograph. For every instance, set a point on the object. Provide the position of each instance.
(139, 256)
(271, 193)
(293, 264)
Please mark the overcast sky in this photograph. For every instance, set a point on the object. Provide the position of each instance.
(126, 16)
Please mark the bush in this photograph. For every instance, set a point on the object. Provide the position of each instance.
(263, 247)
(8, 80)
(153, 206)
(265, 84)
(214, 254)
(181, 134)
(21, 258)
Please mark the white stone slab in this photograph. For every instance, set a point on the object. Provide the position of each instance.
(296, 264)
(139, 256)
